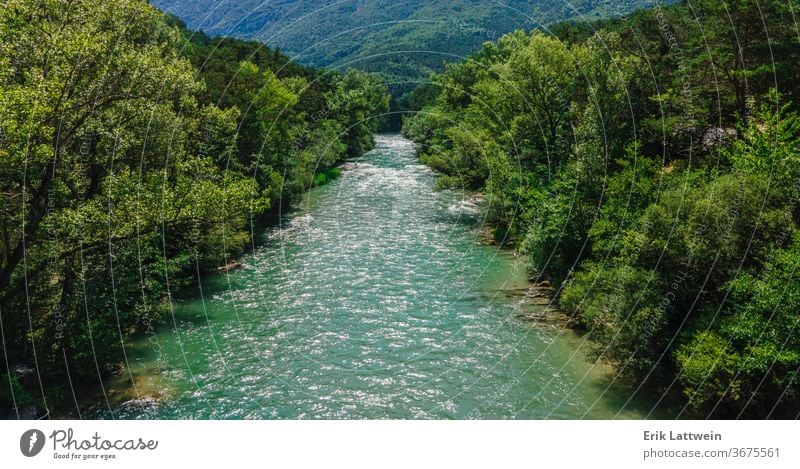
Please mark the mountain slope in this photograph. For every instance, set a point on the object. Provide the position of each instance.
(402, 39)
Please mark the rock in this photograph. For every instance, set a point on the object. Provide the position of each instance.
(25, 374)
(547, 317)
(717, 136)
(233, 265)
(112, 369)
(535, 316)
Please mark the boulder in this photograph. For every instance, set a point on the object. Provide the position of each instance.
(112, 369)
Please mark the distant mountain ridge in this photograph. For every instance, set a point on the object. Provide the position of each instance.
(401, 39)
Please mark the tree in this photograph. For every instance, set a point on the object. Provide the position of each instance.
(123, 176)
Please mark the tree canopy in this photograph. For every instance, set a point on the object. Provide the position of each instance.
(135, 155)
(648, 166)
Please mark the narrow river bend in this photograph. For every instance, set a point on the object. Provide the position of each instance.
(373, 299)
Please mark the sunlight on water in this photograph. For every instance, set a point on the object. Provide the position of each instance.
(372, 299)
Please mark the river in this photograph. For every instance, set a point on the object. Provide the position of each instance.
(374, 298)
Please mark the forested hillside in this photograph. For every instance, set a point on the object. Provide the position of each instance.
(134, 156)
(402, 40)
(650, 168)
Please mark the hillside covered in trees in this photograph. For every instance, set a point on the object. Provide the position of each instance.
(134, 156)
(649, 167)
(400, 40)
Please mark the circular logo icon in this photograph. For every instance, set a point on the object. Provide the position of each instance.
(31, 443)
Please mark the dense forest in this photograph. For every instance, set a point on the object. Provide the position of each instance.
(402, 41)
(648, 166)
(136, 155)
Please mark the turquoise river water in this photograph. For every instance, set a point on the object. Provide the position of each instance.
(373, 299)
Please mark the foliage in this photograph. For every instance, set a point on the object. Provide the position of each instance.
(134, 155)
(383, 36)
(663, 203)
